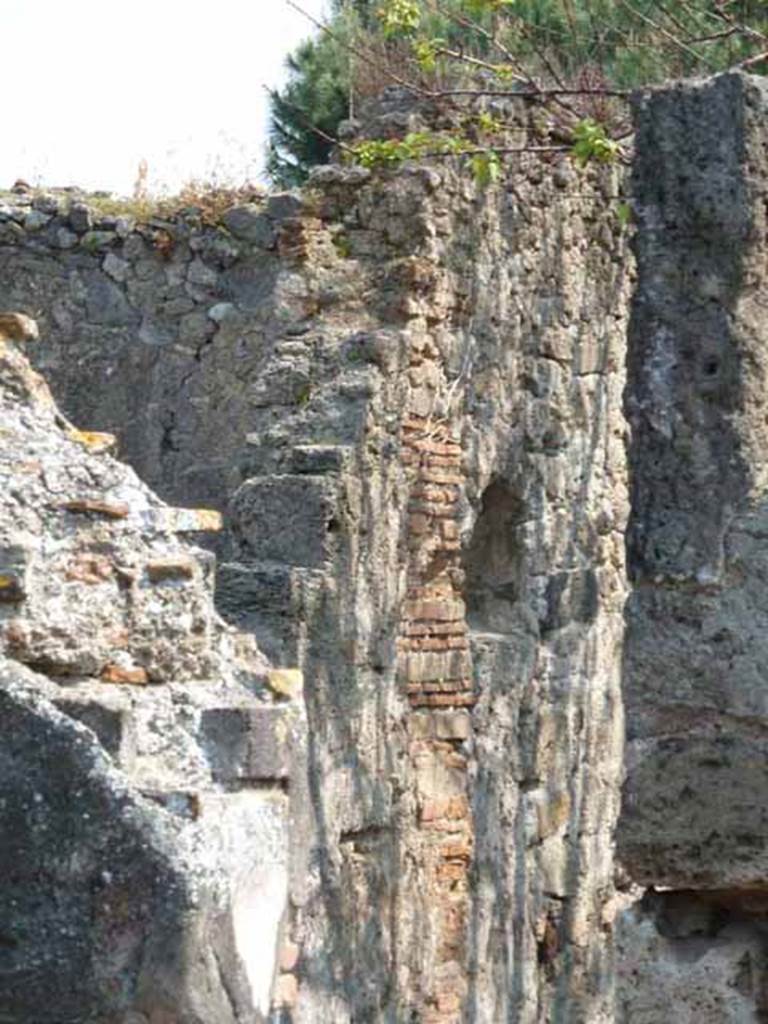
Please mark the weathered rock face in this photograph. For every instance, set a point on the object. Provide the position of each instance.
(693, 816)
(409, 397)
(144, 770)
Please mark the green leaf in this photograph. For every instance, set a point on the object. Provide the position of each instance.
(426, 51)
(486, 168)
(488, 123)
(503, 72)
(378, 152)
(399, 17)
(592, 142)
(624, 214)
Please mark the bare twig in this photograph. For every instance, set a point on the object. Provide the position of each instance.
(500, 150)
(533, 94)
(672, 38)
(307, 121)
(493, 39)
(473, 26)
(751, 61)
(715, 36)
(745, 30)
(465, 58)
(679, 25)
(412, 86)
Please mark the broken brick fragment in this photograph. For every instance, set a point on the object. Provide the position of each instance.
(172, 568)
(113, 510)
(114, 673)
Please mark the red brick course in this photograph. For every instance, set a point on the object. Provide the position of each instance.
(435, 673)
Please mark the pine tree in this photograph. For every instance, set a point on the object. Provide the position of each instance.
(310, 107)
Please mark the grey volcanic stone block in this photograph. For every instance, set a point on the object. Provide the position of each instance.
(694, 813)
(697, 952)
(99, 915)
(106, 303)
(80, 217)
(284, 205)
(251, 225)
(286, 519)
(317, 459)
(258, 599)
(570, 597)
(112, 726)
(694, 802)
(14, 559)
(249, 284)
(247, 743)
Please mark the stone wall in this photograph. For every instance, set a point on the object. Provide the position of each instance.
(408, 396)
(181, 313)
(460, 600)
(151, 784)
(693, 814)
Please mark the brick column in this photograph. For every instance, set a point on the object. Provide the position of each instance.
(434, 668)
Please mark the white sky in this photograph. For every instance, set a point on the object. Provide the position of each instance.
(92, 87)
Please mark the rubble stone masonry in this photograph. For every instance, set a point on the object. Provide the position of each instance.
(424, 413)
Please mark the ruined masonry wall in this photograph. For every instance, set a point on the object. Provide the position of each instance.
(397, 379)
(151, 773)
(411, 399)
(181, 313)
(693, 811)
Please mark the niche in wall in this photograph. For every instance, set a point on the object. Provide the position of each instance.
(493, 561)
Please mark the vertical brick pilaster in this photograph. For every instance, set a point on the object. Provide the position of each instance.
(435, 672)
